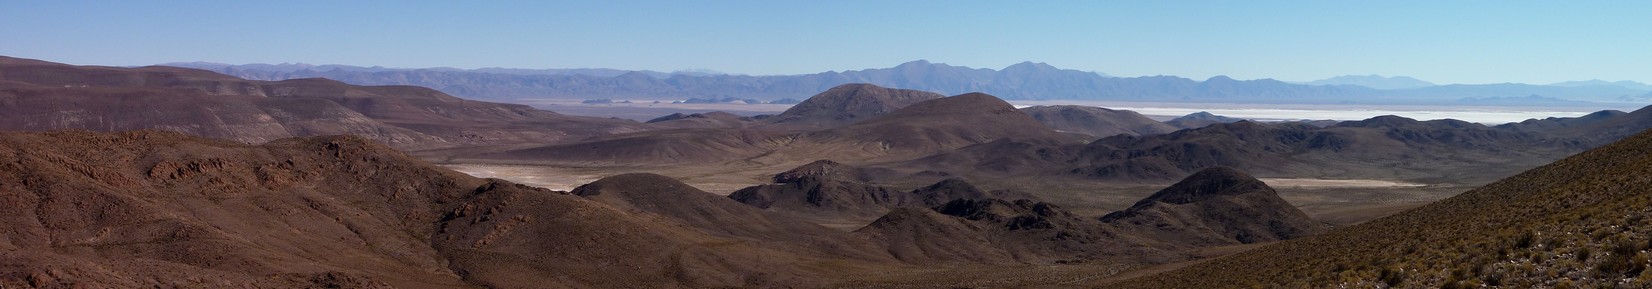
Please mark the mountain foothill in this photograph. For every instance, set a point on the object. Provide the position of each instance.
(176, 177)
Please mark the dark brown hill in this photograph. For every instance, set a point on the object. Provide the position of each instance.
(1599, 128)
(669, 198)
(715, 119)
(849, 103)
(665, 146)
(1216, 206)
(995, 231)
(160, 209)
(1558, 123)
(1385, 147)
(1575, 223)
(1096, 121)
(39, 95)
(828, 169)
(1354, 149)
(938, 125)
(825, 198)
(830, 190)
(1199, 119)
(1002, 157)
(924, 128)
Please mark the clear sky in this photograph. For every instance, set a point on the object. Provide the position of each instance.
(1439, 41)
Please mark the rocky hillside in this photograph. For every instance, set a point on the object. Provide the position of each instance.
(848, 103)
(1217, 206)
(827, 189)
(1384, 147)
(1575, 223)
(1097, 122)
(919, 129)
(161, 209)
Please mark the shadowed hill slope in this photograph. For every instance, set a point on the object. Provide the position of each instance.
(38, 95)
(715, 119)
(941, 124)
(146, 209)
(1384, 147)
(994, 231)
(673, 200)
(1217, 206)
(827, 189)
(848, 103)
(1578, 222)
(1095, 121)
(924, 128)
(1199, 119)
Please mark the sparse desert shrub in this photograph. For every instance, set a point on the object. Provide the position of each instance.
(1613, 266)
(1564, 284)
(1392, 277)
(1494, 279)
(1601, 234)
(1524, 241)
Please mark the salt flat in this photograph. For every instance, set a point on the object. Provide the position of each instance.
(1323, 183)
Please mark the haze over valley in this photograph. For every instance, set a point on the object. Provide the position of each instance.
(781, 145)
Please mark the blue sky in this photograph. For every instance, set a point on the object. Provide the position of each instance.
(1440, 41)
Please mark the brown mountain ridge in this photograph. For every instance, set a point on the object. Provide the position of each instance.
(37, 96)
(1574, 223)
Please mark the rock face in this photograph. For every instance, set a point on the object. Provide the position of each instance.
(1097, 122)
(1217, 206)
(848, 103)
(38, 95)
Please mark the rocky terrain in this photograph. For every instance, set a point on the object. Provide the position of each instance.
(1384, 147)
(829, 190)
(144, 209)
(172, 177)
(1575, 223)
(150, 208)
(1234, 208)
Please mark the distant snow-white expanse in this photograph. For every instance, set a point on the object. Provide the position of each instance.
(1490, 115)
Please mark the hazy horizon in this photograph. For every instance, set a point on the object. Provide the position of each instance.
(1451, 42)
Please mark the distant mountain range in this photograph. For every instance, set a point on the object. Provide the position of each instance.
(1597, 82)
(1021, 81)
(1374, 81)
(262, 68)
